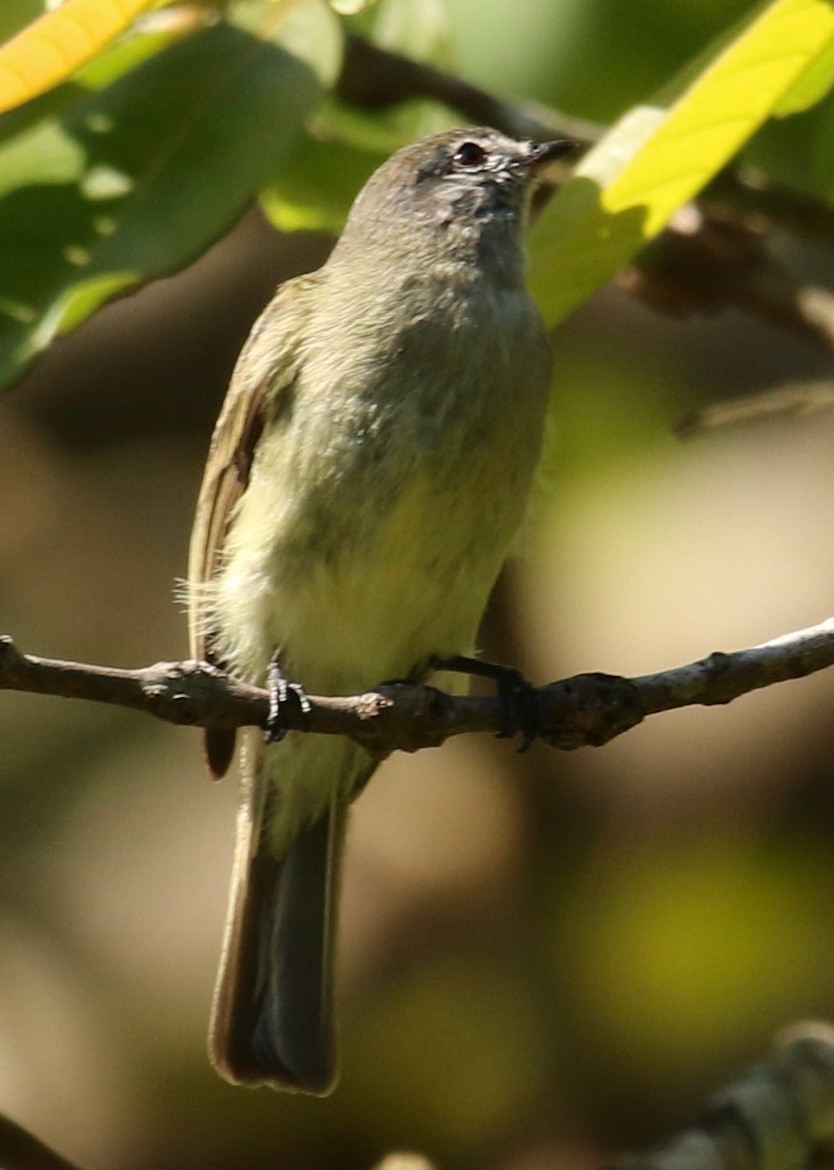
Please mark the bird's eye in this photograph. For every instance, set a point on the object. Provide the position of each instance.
(469, 154)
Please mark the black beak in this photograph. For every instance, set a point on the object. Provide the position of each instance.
(543, 153)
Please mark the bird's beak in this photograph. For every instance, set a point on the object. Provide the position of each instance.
(543, 153)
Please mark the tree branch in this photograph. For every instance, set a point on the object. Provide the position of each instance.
(776, 1117)
(723, 260)
(791, 400)
(772, 1119)
(375, 78)
(585, 710)
(747, 194)
(703, 262)
(20, 1150)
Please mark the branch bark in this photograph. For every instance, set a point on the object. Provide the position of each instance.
(20, 1150)
(375, 78)
(774, 1118)
(582, 711)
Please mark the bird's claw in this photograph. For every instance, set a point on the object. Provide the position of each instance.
(520, 712)
(280, 690)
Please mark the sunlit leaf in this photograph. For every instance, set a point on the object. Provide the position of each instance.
(58, 43)
(810, 87)
(419, 31)
(349, 7)
(656, 158)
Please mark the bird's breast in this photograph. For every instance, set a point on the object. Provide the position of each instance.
(378, 515)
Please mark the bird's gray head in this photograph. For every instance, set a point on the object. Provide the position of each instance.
(459, 185)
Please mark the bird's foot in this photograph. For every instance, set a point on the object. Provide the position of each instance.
(281, 692)
(521, 714)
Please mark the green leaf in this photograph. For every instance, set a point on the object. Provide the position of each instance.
(382, 131)
(655, 159)
(127, 54)
(419, 31)
(822, 154)
(317, 185)
(810, 87)
(105, 188)
(80, 300)
(307, 29)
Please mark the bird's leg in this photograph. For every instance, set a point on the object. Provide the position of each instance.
(280, 689)
(519, 699)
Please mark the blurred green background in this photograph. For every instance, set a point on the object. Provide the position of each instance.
(545, 957)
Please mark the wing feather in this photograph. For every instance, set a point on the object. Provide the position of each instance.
(267, 367)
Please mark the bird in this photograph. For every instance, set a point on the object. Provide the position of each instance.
(367, 475)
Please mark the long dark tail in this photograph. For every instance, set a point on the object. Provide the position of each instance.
(273, 1014)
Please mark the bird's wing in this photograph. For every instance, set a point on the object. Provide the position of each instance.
(266, 368)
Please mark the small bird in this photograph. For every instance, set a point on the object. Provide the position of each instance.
(367, 475)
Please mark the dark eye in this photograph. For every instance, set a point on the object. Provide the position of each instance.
(469, 154)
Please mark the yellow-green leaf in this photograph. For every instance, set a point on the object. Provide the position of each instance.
(810, 87)
(655, 159)
(54, 46)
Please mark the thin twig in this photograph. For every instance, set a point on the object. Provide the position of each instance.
(792, 400)
(585, 710)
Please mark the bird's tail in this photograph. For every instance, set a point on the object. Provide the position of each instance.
(272, 1021)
